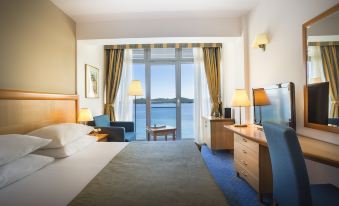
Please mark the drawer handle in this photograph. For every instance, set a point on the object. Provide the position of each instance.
(244, 162)
(244, 173)
(243, 139)
(244, 151)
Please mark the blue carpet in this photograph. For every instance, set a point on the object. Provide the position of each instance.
(221, 167)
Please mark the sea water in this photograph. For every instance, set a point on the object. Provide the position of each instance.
(165, 113)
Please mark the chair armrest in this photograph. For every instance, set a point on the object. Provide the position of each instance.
(91, 123)
(116, 134)
(129, 126)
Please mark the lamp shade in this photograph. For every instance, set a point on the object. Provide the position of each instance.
(135, 88)
(85, 115)
(260, 97)
(260, 39)
(240, 98)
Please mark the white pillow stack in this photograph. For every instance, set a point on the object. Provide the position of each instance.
(66, 139)
(16, 161)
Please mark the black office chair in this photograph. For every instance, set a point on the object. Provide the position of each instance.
(290, 179)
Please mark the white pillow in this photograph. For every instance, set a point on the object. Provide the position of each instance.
(14, 146)
(61, 134)
(68, 149)
(15, 170)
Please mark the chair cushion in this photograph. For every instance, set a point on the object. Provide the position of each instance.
(325, 194)
(102, 121)
(129, 136)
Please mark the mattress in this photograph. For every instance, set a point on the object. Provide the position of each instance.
(58, 183)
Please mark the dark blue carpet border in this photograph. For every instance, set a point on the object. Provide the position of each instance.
(221, 167)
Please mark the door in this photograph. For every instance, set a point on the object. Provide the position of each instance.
(163, 95)
(167, 75)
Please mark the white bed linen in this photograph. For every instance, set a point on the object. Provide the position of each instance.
(58, 183)
(68, 150)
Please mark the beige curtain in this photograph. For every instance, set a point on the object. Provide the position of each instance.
(330, 58)
(113, 76)
(212, 69)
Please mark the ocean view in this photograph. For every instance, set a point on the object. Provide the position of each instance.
(165, 113)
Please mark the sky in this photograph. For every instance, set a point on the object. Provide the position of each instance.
(163, 80)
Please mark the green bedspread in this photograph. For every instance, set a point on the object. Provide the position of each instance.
(153, 173)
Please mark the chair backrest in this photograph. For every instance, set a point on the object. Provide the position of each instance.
(102, 121)
(290, 179)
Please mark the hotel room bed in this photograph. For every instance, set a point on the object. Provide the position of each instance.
(136, 173)
(153, 173)
(141, 173)
(58, 183)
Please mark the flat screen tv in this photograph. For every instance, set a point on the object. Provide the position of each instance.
(318, 102)
(275, 104)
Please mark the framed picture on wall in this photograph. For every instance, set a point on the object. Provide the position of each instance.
(92, 81)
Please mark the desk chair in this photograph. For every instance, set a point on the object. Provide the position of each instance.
(290, 179)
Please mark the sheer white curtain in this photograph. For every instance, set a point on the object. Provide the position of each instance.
(316, 72)
(202, 104)
(123, 103)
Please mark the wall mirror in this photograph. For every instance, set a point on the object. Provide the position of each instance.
(321, 56)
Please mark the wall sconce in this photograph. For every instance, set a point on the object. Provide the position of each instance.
(260, 41)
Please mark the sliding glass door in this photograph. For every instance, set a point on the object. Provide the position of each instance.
(163, 94)
(187, 100)
(167, 75)
(139, 74)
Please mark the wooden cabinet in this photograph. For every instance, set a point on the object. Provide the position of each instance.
(215, 135)
(252, 163)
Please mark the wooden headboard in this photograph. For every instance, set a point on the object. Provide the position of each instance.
(21, 112)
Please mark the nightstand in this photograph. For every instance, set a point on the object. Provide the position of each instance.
(101, 137)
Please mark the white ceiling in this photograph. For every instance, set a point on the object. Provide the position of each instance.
(110, 10)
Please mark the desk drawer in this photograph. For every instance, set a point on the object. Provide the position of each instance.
(247, 175)
(247, 158)
(248, 143)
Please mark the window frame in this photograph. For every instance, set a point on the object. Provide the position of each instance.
(177, 61)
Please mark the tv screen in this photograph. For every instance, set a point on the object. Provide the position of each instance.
(318, 102)
(275, 104)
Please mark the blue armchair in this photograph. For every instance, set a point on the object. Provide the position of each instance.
(334, 121)
(118, 131)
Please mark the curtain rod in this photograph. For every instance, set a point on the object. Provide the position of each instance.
(164, 45)
(323, 43)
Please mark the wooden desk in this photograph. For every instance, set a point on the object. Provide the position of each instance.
(316, 150)
(160, 131)
(252, 161)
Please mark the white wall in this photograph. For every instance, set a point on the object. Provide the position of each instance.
(93, 55)
(92, 52)
(37, 51)
(283, 61)
(233, 74)
(149, 28)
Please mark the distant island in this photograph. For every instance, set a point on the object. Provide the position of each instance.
(164, 100)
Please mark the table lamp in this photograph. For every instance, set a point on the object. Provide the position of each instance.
(85, 115)
(240, 99)
(135, 89)
(260, 99)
